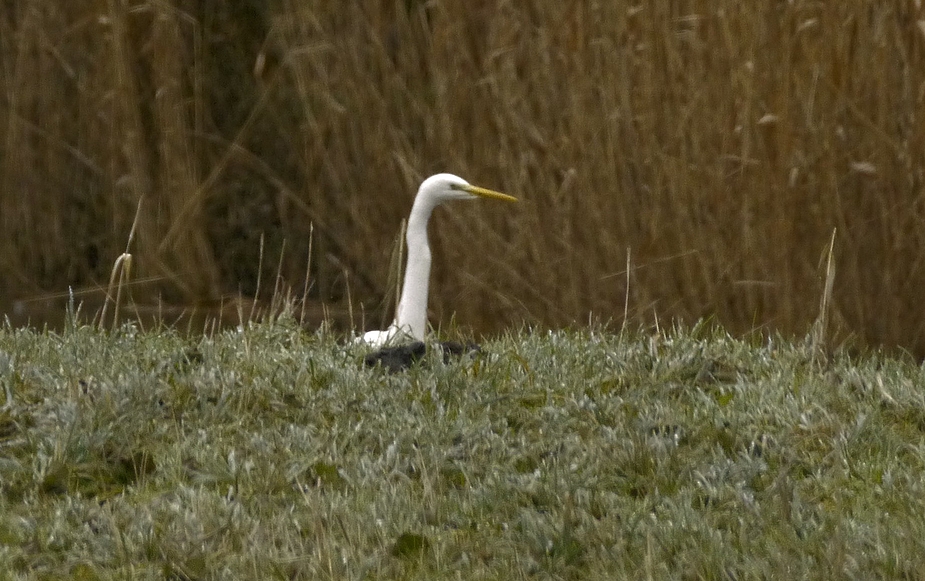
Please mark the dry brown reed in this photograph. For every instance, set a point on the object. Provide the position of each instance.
(717, 143)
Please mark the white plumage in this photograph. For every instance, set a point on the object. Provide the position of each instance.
(411, 319)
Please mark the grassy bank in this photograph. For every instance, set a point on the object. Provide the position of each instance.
(271, 453)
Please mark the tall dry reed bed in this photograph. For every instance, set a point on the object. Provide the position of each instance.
(717, 145)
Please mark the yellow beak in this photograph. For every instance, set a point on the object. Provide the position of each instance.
(485, 193)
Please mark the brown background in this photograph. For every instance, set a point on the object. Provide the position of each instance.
(717, 143)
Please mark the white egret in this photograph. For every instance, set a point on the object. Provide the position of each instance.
(411, 319)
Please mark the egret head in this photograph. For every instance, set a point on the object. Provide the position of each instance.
(444, 187)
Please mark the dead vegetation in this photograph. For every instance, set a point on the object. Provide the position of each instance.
(719, 144)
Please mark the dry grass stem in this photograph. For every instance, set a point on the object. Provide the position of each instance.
(819, 334)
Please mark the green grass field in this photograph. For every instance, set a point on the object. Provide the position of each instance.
(272, 453)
